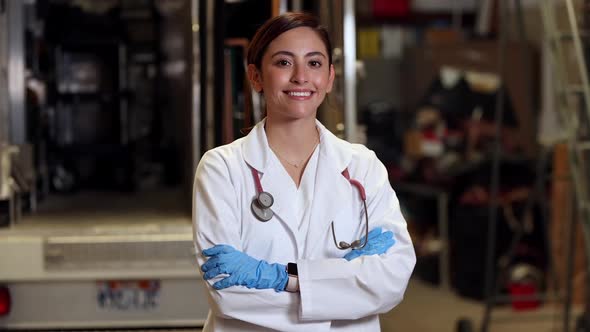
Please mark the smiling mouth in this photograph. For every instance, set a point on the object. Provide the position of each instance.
(299, 93)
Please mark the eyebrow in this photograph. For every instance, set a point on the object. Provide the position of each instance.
(291, 54)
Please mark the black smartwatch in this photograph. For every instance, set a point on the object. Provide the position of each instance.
(292, 269)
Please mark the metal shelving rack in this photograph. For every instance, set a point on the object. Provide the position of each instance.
(568, 46)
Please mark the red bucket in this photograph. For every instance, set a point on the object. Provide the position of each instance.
(518, 290)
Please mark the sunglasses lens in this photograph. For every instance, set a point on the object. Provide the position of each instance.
(355, 244)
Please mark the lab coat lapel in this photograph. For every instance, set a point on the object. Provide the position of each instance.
(256, 153)
(275, 182)
(332, 190)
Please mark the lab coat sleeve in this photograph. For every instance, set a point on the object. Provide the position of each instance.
(215, 205)
(216, 221)
(334, 289)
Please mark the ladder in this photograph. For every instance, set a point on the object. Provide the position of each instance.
(572, 105)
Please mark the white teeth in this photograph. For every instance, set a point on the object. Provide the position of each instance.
(300, 94)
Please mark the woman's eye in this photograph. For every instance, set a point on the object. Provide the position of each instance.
(283, 63)
(315, 63)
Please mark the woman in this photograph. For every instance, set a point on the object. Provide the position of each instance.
(273, 210)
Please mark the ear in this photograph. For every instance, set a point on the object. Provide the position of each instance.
(255, 78)
(331, 79)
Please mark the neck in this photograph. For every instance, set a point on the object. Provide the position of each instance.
(293, 139)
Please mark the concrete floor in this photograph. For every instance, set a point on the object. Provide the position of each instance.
(427, 308)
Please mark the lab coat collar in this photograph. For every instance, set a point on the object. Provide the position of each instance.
(256, 151)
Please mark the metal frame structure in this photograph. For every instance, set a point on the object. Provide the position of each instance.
(573, 107)
(209, 125)
(575, 118)
(494, 269)
(4, 119)
(350, 100)
(196, 85)
(16, 71)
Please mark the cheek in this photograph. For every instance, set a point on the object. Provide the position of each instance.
(322, 82)
(274, 79)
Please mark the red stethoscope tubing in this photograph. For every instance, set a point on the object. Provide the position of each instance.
(340, 245)
(345, 173)
(256, 180)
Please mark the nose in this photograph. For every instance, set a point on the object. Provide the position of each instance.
(299, 74)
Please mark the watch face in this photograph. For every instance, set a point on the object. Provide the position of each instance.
(292, 269)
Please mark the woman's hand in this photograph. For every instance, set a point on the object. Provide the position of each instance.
(377, 244)
(242, 269)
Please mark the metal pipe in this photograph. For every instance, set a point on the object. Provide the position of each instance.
(349, 36)
(583, 70)
(210, 74)
(577, 157)
(196, 86)
(491, 280)
(4, 119)
(297, 5)
(283, 6)
(16, 72)
(123, 105)
(442, 201)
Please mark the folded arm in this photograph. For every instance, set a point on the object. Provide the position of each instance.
(333, 289)
(215, 221)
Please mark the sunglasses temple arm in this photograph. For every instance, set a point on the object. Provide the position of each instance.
(334, 237)
(366, 226)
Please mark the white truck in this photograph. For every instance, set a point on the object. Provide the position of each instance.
(108, 276)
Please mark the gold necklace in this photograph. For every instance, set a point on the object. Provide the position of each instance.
(287, 161)
(296, 165)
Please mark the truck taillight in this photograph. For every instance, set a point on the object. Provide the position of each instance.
(4, 301)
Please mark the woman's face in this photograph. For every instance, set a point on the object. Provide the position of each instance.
(295, 74)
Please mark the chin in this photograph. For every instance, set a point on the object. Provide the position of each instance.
(300, 114)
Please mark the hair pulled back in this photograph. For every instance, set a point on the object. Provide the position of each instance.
(278, 25)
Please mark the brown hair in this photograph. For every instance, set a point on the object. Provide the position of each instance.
(278, 25)
(273, 28)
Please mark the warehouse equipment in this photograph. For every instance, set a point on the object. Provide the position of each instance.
(568, 46)
(497, 269)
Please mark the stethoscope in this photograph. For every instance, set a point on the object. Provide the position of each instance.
(262, 203)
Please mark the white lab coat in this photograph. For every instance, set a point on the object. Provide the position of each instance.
(335, 294)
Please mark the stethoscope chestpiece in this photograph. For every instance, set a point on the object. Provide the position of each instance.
(261, 206)
(265, 200)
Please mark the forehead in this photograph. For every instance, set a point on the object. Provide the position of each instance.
(302, 39)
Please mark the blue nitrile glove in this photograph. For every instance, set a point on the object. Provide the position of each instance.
(242, 269)
(378, 244)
